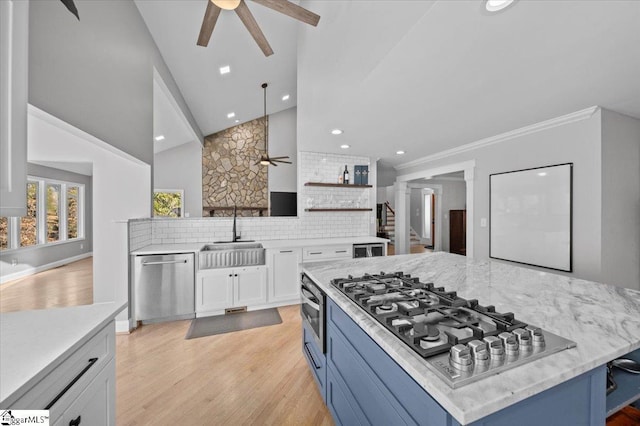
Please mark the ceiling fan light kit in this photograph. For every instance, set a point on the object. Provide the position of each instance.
(265, 160)
(240, 7)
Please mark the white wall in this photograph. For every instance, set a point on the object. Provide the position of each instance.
(121, 190)
(97, 73)
(576, 142)
(31, 260)
(181, 168)
(282, 141)
(620, 200)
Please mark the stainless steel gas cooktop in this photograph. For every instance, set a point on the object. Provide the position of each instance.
(460, 339)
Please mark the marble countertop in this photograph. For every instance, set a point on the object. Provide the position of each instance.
(33, 343)
(268, 244)
(603, 320)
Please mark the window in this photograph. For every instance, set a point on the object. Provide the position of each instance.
(4, 233)
(54, 215)
(29, 223)
(72, 211)
(168, 202)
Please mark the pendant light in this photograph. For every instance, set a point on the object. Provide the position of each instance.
(265, 160)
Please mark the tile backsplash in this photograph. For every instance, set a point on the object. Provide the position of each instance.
(314, 167)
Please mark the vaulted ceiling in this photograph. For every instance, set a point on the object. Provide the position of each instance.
(421, 76)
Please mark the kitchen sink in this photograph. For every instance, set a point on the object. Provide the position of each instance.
(230, 255)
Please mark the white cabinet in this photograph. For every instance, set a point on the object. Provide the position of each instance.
(83, 385)
(14, 49)
(93, 406)
(218, 289)
(321, 253)
(284, 274)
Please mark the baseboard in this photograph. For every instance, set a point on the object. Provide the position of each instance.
(124, 326)
(42, 268)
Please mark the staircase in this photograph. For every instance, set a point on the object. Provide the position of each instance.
(389, 228)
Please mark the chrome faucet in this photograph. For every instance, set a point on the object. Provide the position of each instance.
(235, 237)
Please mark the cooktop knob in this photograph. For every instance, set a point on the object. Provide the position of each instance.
(536, 336)
(496, 350)
(510, 343)
(479, 351)
(523, 336)
(460, 358)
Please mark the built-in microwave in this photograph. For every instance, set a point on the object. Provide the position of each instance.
(312, 309)
(368, 250)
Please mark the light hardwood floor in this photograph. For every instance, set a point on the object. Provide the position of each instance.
(250, 377)
(391, 250)
(68, 285)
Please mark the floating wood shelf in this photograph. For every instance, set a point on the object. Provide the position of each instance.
(337, 185)
(320, 209)
(212, 209)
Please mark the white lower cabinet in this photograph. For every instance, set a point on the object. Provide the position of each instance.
(284, 274)
(81, 390)
(218, 289)
(93, 406)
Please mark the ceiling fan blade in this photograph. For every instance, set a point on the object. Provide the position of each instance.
(282, 161)
(272, 163)
(208, 23)
(291, 9)
(279, 158)
(249, 21)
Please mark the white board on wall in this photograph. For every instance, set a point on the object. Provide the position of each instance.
(530, 216)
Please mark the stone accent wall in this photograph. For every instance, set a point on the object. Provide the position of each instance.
(230, 175)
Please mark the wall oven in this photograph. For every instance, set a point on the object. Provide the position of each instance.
(312, 309)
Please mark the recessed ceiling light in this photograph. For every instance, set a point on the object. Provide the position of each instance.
(336, 132)
(285, 98)
(345, 146)
(237, 121)
(231, 115)
(225, 70)
(542, 174)
(159, 137)
(497, 5)
(400, 152)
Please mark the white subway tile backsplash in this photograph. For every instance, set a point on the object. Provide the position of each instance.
(314, 167)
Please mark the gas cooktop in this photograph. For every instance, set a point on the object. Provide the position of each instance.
(462, 340)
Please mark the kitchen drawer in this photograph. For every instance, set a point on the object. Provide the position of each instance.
(319, 253)
(316, 359)
(65, 383)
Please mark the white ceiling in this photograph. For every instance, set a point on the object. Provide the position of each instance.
(175, 25)
(168, 121)
(422, 76)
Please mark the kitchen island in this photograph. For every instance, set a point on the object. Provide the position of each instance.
(603, 320)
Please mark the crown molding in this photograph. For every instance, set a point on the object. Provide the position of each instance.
(543, 125)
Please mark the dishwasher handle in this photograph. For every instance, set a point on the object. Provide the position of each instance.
(165, 262)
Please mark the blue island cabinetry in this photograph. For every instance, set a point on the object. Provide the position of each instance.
(362, 384)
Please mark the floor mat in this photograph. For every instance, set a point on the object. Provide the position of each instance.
(219, 324)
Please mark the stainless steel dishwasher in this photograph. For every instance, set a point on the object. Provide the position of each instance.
(164, 287)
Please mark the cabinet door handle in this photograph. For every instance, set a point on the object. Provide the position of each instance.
(230, 275)
(341, 251)
(317, 252)
(235, 275)
(165, 262)
(92, 361)
(313, 361)
(286, 251)
(76, 421)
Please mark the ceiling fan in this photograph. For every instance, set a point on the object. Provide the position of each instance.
(265, 160)
(240, 7)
